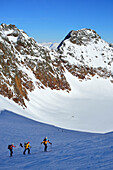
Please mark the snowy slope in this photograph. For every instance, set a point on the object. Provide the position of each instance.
(71, 87)
(70, 149)
(80, 110)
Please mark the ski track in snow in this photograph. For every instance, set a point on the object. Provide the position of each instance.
(70, 149)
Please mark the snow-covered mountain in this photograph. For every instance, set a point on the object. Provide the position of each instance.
(22, 56)
(70, 87)
(85, 54)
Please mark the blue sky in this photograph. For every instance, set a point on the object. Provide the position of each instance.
(51, 20)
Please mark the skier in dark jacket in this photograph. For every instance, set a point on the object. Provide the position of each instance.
(45, 141)
(11, 149)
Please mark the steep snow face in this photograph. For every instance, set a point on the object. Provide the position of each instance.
(71, 87)
(88, 107)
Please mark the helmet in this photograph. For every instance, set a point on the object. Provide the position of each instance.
(28, 142)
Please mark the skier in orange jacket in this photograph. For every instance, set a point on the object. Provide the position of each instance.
(45, 141)
(27, 148)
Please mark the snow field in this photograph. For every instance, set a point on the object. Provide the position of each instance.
(70, 149)
(88, 107)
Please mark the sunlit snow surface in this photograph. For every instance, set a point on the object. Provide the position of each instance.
(70, 149)
(88, 107)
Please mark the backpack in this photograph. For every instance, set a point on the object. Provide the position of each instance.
(45, 139)
(25, 144)
(9, 146)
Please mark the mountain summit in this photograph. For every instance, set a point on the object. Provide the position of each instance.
(82, 37)
(85, 54)
(52, 85)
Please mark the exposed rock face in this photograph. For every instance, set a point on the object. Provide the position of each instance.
(81, 37)
(85, 54)
(19, 53)
(26, 65)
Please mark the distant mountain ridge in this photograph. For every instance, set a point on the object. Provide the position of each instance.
(82, 53)
(50, 45)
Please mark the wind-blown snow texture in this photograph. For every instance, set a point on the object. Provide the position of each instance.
(70, 149)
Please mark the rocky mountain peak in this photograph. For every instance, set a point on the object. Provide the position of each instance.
(85, 55)
(84, 36)
(7, 27)
(26, 65)
(81, 37)
(21, 55)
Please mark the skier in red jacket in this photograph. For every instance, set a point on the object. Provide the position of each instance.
(10, 147)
